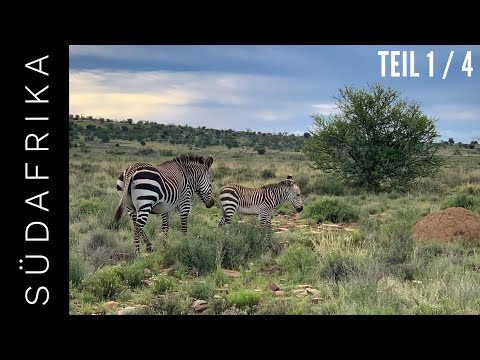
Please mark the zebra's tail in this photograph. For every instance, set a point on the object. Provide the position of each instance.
(126, 184)
(119, 212)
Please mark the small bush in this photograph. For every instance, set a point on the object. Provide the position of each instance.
(340, 267)
(267, 174)
(219, 278)
(201, 290)
(77, 270)
(467, 201)
(132, 275)
(104, 284)
(244, 299)
(261, 151)
(299, 262)
(330, 209)
(145, 151)
(162, 283)
(198, 254)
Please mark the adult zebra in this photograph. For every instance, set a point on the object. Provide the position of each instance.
(159, 189)
(261, 201)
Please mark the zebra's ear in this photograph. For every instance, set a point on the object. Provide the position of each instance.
(209, 161)
(290, 182)
(290, 177)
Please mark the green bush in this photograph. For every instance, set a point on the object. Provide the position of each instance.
(267, 174)
(196, 253)
(464, 200)
(132, 275)
(105, 283)
(77, 270)
(244, 299)
(162, 283)
(339, 267)
(330, 209)
(299, 262)
(201, 290)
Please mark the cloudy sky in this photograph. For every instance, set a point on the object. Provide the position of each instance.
(263, 88)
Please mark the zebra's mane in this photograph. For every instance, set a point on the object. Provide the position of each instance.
(189, 159)
(273, 185)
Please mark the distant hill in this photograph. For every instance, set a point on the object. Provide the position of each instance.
(144, 131)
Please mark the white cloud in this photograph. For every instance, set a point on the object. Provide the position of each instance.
(218, 100)
(325, 109)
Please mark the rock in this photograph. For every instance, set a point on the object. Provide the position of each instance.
(272, 286)
(330, 227)
(303, 286)
(216, 296)
(313, 291)
(349, 229)
(200, 305)
(111, 305)
(129, 310)
(316, 299)
(257, 290)
(147, 273)
(301, 292)
(302, 226)
(282, 229)
(231, 273)
(279, 293)
(147, 282)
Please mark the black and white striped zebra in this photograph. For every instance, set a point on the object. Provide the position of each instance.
(261, 201)
(159, 189)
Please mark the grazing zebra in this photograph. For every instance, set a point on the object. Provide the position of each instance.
(261, 201)
(159, 189)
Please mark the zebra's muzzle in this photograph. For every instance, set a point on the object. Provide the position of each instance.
(209, 204)
(299, 209)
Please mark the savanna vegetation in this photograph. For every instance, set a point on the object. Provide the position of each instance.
(369, 264)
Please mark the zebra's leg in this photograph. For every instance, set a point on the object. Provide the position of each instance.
(165, 228)
(144, 236)
(184, 210)
(265, 216)
(141, 221)
(227, 214)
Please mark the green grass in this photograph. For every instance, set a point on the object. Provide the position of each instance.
(375, 267)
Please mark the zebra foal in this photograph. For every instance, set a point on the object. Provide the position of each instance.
(146, 189)
(261, 201)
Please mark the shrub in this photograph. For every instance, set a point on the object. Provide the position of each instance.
(267, 174)
(162, 283)
(196, 253)
(77, 270)
(201, 290)
(132, 275)
(330, 209)
(339, 267)
(464, 200)
(244, 299)
(104, 283)
(299, 262)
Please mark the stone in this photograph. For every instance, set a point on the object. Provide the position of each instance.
(300, 292)
(200, 305)
(313, 291)
(278, 293)
(303, 286)
(272, 286)
(147, 272)
(231, 273)
(129, 310)
(111, 304)
(316, 299)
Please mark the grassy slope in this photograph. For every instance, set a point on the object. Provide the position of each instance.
(375, 269)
